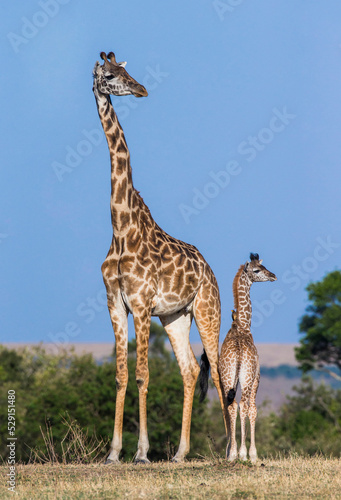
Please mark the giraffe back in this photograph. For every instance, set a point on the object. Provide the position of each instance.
(238, 360)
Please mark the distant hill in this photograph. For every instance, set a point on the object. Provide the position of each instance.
(279, 368)
(270, 354)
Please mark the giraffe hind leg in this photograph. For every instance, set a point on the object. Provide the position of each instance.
(252, 418)
(177, 326)
(231, 449)
(228, 372)
(206, 310)
(246, 379)
(243, 412)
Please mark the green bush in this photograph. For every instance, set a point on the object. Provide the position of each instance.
(50, 389)
(308, 423)
(68, 402)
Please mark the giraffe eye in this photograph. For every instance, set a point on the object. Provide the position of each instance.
(109, 77)
(256, 271)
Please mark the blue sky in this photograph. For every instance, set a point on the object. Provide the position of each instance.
(236, 149)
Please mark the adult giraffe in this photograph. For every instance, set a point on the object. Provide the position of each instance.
(149, 273)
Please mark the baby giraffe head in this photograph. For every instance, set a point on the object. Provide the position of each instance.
(112, 78)
(255, 271)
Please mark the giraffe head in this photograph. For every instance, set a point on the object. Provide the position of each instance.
(256, 271)
(112, 78)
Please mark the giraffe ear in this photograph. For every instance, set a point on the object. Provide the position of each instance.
(122, 64)
(246, 265)
(260, 262)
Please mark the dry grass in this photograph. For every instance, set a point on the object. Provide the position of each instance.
(294, 477)
(77, 446)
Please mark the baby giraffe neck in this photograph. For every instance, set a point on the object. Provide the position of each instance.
(242, 302)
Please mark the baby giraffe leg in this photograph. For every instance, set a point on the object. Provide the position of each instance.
(243, 413)
(252, 418)
(231, 450)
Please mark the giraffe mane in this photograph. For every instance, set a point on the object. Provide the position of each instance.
(142, 204)
(235, 287)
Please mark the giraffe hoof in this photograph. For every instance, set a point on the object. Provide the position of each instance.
(142, 461)
(177, 460)
(111, 462)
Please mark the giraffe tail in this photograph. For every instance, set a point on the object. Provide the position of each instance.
(230, 397)
(203, 375)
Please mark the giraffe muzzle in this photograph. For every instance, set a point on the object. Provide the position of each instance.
(140, 91)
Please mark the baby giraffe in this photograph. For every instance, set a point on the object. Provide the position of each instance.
(239, 360)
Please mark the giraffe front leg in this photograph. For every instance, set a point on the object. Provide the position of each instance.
(142, 319)
(119, 321)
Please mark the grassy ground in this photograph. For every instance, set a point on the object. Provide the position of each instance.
(294, 477)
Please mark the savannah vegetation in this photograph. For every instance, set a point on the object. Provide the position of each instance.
(65, 408)
(212, 478)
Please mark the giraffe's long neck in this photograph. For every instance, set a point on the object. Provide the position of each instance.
(242, 301)
(121, 175)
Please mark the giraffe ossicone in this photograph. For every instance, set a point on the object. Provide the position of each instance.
(239, 362)
(149, 273)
